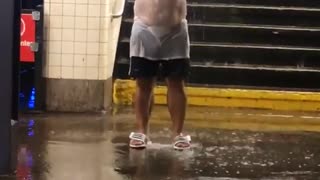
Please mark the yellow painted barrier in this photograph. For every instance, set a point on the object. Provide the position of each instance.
(123, 92)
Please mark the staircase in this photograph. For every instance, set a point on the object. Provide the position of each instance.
(261, 44)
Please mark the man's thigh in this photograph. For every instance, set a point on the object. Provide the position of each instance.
(176, 68)
(143, 68)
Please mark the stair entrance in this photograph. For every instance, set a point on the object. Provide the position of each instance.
(257, 44)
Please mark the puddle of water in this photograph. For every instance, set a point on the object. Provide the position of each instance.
(81, 149)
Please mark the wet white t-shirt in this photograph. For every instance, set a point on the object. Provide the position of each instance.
(160, 30)
(160, 12)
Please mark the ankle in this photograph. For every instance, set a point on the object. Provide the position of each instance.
(174, 135)
(142, 131)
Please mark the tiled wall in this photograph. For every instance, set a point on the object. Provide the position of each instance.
(81, 39)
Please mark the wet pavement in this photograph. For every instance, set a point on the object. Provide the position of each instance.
(227, 144)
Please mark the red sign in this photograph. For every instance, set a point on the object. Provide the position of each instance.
(28, 36)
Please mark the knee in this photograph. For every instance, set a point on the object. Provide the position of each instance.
(176, 85)
(144, 85)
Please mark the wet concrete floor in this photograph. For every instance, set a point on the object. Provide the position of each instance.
(95, 146)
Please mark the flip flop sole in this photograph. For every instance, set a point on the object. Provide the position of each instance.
(140, 146)
(181, 149)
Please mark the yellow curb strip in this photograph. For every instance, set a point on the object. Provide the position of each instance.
(123, 92)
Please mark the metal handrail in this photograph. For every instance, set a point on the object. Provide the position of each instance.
(120, 13)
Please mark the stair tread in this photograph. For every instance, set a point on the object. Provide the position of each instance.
(256, 46)
(246, 43)
(242, 45)
(243, 66)
(255, 67)
(248, 26)
(249, 6)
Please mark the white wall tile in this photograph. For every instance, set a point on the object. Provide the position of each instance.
(55, 1)
(106, 1)
(68, 34)
(103, 61)
(81, 23)
(79, 72)
(69, 1)
(55, 34)
(80, 48)
(112, 55)
(67, 72)
(67, 59)
(112, 51)
(69, 9)
(93, 23)
(56, 9)
(54, 46)
(109, 65)
(82, 1)
(55, 21)
(68, 22)
(54, 72)
(115, 25)
(80, 39)
(95, 2)
(92, 73)
(80, 60)
(104, 11)
(93, 35)
(104, 35)
(80, 35)
(81, 10)
(67, 47)
(92, 61)
(105, 23)
(92, 48)
(46, 8)
(114, 6)
(54, 59)
(94, 11)
(104, 48)
(102, 73)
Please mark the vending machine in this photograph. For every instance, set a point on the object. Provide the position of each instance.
(31, 56)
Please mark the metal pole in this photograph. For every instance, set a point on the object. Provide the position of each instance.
(9, 55)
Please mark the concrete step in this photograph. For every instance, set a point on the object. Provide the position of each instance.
(246, 43)
(247, 14)
(236, 54)
(263, 77)
(248, 34)
(282, 3)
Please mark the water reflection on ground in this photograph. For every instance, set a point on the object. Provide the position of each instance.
(94, 146)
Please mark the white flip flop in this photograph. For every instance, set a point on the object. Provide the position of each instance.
(138, 137)
(182, 139)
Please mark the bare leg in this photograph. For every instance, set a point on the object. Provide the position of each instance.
(151, 103)
(177, 102)
(143, 100)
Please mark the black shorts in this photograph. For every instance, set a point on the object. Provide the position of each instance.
(141, 67)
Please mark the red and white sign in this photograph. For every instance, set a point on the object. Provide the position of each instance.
(28, 36)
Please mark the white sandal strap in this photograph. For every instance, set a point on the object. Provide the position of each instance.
(182, 139)
(138, 137)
